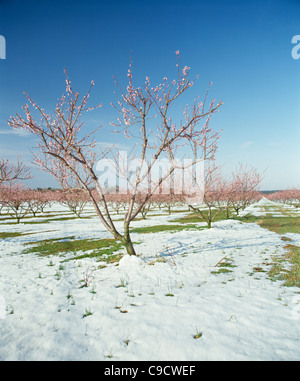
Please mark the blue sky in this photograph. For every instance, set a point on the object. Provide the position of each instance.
(243, 47)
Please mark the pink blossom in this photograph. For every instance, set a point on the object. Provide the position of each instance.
(185, 70)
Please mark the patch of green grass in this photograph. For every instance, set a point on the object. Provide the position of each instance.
(221, 271)
(281, 225)
(161, 228)
(247, 218)
(87, 313)
(194, 218)
(189, 218)
(277, 209)
(38, 215)
(135, 219)
(106, 253)
(44, 221)
(223, 266)
(4, 235)
(291, 276)
(50, 240)
(56, 219)
(103, 248)
(198, 334)
(227, 263)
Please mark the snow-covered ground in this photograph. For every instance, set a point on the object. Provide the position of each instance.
(150, 307)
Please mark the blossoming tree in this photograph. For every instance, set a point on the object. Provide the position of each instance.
(15, 198)
(244, 186)
(10, 172)
(214, 187)
(69, 153)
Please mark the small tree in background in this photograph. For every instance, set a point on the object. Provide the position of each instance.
(221, 193)
(214, 187)
(12, 172)
(75, 200)
(287, 196)
(15, 199)
(244, 187)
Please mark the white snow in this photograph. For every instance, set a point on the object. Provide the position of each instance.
(264, 201)
(148, 307)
